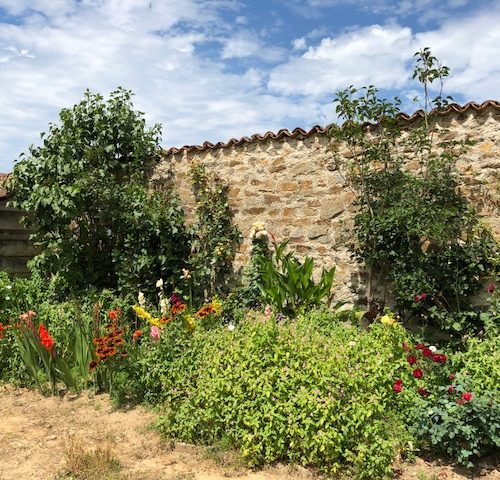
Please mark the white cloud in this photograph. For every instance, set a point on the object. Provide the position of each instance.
(370, 55)
(299, 43)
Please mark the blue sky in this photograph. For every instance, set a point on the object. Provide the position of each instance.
(216, 69)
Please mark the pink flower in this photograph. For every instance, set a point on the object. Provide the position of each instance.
(155, 333)
(491, 288)
(417, 298)
(467, 396)
(268, 310)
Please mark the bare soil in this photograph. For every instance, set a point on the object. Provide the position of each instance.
(41, 438)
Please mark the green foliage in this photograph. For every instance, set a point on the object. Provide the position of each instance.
(85, 190)
(464, 427)
(216, 238)
(287, 284)
(415, 232)
(313, 392)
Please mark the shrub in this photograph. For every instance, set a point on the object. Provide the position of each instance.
(85, 190)
(458, 422)
(312, 392)
(415, 232)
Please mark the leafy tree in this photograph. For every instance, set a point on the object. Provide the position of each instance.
(419, 238)
(86, 191)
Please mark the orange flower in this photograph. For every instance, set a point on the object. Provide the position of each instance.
(2, 328)
(166, 320)
(204, 311)
(93, 365)
(178, 308)
(45, 339)
(113, 315)
(136, 334)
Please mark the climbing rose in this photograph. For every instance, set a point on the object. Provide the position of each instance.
(412, 359)
(422, 391)
(451, 389)
(417, 373)
(467, 396)
(426, 352)
(398, 386)
(419, 346)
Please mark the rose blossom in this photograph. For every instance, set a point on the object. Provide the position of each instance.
(412, 359)
(467, 396)
(417, 373)
(426, 352)
(397, 387)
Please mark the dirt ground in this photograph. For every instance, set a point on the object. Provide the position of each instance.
(48, 438)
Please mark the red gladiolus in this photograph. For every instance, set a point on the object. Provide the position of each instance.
(422, 391)
(398, 386)
(451, 389)
(427, 352)
(45, 339)
(412, 360)
(491, 288)
(467, 396)
(417, 373)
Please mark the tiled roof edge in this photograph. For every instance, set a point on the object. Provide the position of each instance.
(317, 129)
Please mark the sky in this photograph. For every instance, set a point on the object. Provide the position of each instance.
(217, 69)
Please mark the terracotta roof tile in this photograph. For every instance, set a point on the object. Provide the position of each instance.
(317, 129)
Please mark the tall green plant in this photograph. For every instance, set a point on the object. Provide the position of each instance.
(287, 284)
(419, 239)
(85, 190)
(216, 238)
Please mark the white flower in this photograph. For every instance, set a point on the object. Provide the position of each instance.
(186, 274)
(141, 300)
(164, 306)
(231, 327)
(159, 283)
(433, 349)
(8, 287)
(7, 298)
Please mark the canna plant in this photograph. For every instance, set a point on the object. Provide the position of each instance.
(288, 285)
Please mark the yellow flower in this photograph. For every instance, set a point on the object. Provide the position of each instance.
(141, 313)
(388, 320)
(190, 322)
(217, 305)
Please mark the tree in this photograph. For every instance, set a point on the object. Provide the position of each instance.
(418, 237)
(86, 191)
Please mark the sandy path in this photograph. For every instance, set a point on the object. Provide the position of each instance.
(35, 431)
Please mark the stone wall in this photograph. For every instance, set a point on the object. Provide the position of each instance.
(288, 181)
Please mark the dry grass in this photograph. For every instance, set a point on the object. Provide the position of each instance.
(90, 463)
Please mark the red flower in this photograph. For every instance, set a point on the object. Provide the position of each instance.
(2, 328)
(420, 346)
(417, 373)
(113, 315)
(439, 358)
(422, 391)
(451, 389)
(136, 334)
(398, 386)
(452, 376)
(417, 298)
(427, 352)
(491, 288)
(467, 396)
(412, 360)
(45, 339)
(423, 295)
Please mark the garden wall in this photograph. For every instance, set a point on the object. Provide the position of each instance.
(288, 181)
